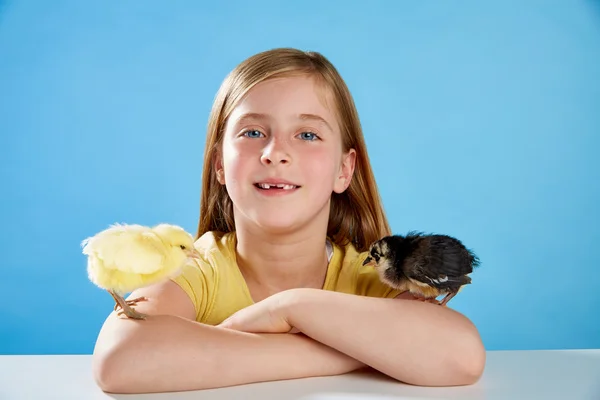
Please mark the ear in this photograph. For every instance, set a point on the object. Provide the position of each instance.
(346, 171)
(218, 167)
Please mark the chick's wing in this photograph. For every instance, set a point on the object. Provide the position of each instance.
(132, 249)
(440, 264)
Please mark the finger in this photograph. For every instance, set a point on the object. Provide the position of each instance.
(226, 323)
(235, 325)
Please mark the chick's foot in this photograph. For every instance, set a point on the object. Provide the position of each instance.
(132, 302)
(429, 300)
(125, 306)
(447, 298)
(131, 313)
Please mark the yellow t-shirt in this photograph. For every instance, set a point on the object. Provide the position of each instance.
(218, 289)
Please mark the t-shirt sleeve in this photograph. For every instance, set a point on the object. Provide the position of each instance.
(368, 282)
(194, 281)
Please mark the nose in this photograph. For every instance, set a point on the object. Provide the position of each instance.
(275, 153)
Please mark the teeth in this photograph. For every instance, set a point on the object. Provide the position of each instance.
(278, 185)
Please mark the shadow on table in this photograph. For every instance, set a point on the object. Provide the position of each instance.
(364, 384)
(572, 375)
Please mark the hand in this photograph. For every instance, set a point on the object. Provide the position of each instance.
(267, 316)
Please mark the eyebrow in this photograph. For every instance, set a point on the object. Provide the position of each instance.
(303, 117)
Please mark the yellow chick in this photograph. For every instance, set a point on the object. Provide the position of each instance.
(124, 257)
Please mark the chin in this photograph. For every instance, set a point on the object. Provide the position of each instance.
(278, 226)
(282, 222)
(286, 217)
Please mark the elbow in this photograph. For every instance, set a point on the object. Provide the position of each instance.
(470, 368)
(112, 358)
(103, 375)
(463, 360)
(108, 372)
(114, 374)
(452, 354)
(468, 359)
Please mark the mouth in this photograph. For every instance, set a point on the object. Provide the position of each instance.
(276, 186)
(369, 261)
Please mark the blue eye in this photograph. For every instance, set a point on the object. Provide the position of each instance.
(253, 133)
(309, 136)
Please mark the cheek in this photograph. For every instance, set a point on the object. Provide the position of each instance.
(320, 169)
(322, 163)
(324, 170)
(236, 161)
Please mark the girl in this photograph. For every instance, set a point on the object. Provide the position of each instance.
(289, 206)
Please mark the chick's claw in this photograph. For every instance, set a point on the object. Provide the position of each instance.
(446, 299)
(125, 306)
(132, 302)
(131, 313)
(128, 310)
(427, 300)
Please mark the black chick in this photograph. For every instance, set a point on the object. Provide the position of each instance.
(426, 265)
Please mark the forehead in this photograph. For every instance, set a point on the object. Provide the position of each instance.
(287, 98)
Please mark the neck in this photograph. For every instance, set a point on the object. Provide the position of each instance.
(273, 262)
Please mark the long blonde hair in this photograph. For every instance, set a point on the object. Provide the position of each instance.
(356, 215)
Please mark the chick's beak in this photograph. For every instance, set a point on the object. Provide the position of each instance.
(369, 261)
(193, 253)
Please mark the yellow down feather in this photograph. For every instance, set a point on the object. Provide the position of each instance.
(123, 258)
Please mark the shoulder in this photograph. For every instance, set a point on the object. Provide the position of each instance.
(214, 242)
(214, 248)
(356, 278)
(200, 278)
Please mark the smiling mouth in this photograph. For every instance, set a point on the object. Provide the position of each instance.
(275, 186)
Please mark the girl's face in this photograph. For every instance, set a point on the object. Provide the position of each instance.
(282, 155)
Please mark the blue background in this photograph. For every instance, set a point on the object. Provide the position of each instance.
(482, 120)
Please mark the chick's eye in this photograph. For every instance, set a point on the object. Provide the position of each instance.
(182, 247)
(309, 136)
(253, 133)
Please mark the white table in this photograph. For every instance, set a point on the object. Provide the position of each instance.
(512, 375)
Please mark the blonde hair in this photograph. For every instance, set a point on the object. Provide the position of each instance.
(356, 215)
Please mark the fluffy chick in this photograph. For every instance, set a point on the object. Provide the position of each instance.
(426, 265)
(125, 257)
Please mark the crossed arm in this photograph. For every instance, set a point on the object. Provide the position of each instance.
(413, 342)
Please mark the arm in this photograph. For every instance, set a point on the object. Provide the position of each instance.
(414, 342)
(171, 352)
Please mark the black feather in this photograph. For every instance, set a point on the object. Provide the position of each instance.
(440, 261)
